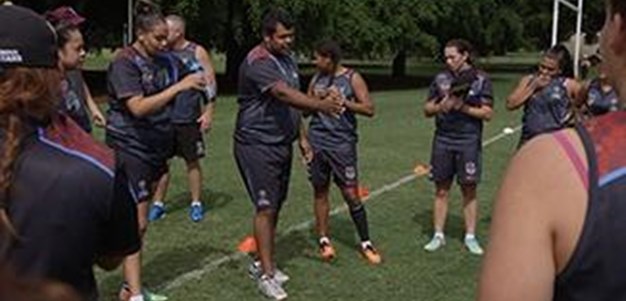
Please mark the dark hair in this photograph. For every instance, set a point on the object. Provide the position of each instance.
(463, 47)
(563, 56)
(147, 15)
(329, 49)
(24, 93)
(272, 18)
(64, 32)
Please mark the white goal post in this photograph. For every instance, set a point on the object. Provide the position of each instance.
(578, 8)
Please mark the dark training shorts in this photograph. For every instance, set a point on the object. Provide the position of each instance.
(142, 176)
(462, 162)
(341, 164)
(188, 142)
(265, 170)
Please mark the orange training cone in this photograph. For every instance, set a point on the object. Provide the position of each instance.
(421, 169)
(247, 245)
(363, 192)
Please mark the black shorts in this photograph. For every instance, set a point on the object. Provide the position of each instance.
(188, 142)
(265, 170)
(340, 163)
(464, 162)
(142, 176)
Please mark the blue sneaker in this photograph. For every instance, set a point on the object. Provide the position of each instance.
(196, 213)
(156, 213)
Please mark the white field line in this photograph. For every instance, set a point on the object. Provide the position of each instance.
(214, 264)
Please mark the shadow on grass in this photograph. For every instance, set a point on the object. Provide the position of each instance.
(212, 200)
(163, 268)
(455, 225)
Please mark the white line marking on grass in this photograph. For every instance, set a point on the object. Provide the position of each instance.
(213, 265)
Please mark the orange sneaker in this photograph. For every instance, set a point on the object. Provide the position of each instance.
(371, 254)
(327, 252)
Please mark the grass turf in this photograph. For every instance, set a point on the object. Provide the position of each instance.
(400, 220)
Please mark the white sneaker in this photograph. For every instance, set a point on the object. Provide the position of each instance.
(271, 288)
(435, 243)
(472, 245)
(255, 271)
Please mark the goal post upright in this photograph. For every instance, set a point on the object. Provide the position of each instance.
(578, 8)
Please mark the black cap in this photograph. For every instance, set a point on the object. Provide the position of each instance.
(26, 39)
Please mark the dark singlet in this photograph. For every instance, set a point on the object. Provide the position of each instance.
(547, 110)
(600, 102)
(597, 269)
(330, 132)
(187, 107)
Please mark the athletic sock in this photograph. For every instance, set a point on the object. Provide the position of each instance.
(158, 204)
(359, 217)
(324, 240)
(440, 235)
(136, 298)
(469, 236)
(196, 203)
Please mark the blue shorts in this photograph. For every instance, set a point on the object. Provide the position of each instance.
(461, 161)
(265, 170)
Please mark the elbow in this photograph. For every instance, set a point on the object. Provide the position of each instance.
(137, 111)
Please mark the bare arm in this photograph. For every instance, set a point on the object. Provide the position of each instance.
(297, 99)
(141, 106)
(520, 94)
(574, 90)
(363, 104)
(533, 232)
(96, 114)
(432, 108)
(204, 58)
(484, 112)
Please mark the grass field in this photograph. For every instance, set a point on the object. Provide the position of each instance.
(400, 219)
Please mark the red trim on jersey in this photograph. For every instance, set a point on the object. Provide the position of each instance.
(65, 132)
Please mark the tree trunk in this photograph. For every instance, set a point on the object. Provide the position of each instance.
(399, 64)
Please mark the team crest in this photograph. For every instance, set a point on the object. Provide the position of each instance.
(143, 189)
(470, 168)
(199, 148)
(350, 173)
(263, 201)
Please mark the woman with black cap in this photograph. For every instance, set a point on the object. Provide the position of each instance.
(64, 206)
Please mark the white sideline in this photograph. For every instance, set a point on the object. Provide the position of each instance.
(214, 264)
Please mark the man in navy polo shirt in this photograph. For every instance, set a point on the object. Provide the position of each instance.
(268, 123)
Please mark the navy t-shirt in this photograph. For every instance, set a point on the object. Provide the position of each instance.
(149, 138)
(74, 102)
(330, 132)
(546, 110)
(187, 107)
(457, 128)
(69, 205)
(262, 119)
